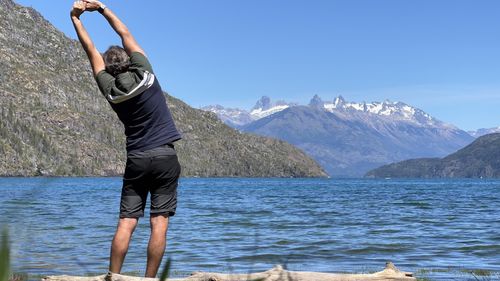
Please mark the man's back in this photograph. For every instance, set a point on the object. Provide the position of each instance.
(138, 100)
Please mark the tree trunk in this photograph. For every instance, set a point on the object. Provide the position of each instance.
(390, 273)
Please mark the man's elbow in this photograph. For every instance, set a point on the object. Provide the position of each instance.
(124, 32)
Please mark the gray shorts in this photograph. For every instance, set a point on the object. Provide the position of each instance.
(154, 171)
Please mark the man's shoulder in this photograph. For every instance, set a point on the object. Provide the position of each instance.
(105, 81)
(140, 61)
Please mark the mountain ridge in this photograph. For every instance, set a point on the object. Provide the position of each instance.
(480, 159)
(399, 110)
(236, 117)
(484, 131)
(348, 139)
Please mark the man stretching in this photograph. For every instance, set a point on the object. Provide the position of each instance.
(126, 78)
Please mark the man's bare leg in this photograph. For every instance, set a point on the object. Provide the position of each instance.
(157, 243)
(121, 241)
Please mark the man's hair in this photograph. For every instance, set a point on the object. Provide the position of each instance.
(117, 60)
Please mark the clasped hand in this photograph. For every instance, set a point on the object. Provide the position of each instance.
(79, 7)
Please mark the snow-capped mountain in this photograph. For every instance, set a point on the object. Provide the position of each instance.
(264, 107)
(350, 138)
(481, 132)
(396, 111)
(236, 117)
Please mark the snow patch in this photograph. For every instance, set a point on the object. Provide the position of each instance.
(259, 113)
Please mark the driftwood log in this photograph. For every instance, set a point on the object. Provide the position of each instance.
(390, 273)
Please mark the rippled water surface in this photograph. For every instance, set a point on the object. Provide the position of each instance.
(65, 225)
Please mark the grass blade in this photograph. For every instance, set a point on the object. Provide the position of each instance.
(4, 257)
(166, 270)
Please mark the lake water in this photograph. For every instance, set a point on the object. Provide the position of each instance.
(439, 229)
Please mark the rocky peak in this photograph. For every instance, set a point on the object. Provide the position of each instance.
(339, 101)
(317, 102)
(264, 103)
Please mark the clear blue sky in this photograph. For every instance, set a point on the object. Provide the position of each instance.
(441, 56)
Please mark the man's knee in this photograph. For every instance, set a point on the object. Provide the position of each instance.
(159, 222)
(127, 224)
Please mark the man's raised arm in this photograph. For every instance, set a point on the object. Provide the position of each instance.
(95, 57)
(128, 41)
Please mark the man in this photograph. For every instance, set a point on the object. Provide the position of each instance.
(126, 78)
